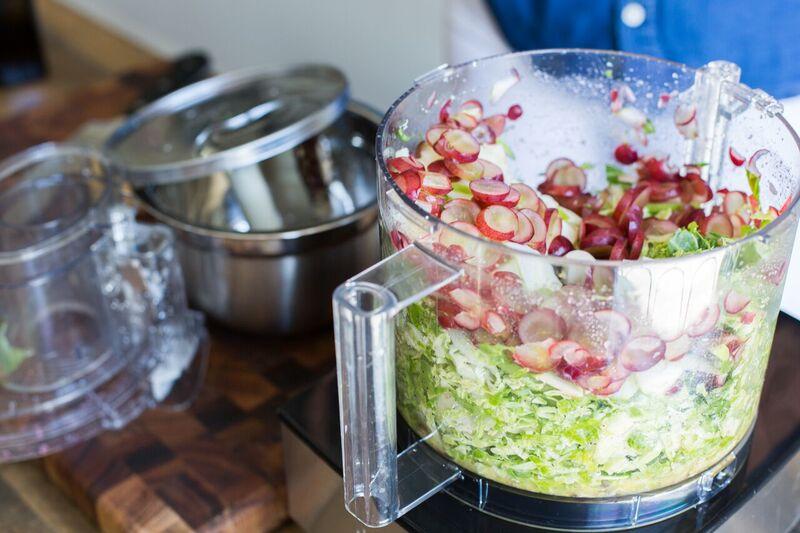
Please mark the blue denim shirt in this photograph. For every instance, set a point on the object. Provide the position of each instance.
(762, 37)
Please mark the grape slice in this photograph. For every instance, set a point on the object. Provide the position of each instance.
(539, 324)
(497, 222)
(677, 348)
(436, 183)
(489, 191)
(459, 145)
(642, 352)
(736, 158)
(735, 303)
(706, 322)
(524, 229)
(535, 356)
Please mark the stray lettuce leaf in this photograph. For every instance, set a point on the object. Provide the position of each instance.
(10, 356)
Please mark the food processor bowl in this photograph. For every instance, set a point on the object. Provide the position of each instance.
(683, 342)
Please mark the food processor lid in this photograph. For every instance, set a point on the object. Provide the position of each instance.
(47, 202)
(227, 122)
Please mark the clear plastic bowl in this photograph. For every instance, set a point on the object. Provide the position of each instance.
(649, 443)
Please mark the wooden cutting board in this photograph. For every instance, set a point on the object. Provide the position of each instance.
(215, 467)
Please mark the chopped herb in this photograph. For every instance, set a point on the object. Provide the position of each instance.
(648, 127)
(699, 165)
(754, 180)
(613, 175)
(587, 166)
(400, 131)
(506, 148)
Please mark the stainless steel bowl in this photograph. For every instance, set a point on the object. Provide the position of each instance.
(252, 278)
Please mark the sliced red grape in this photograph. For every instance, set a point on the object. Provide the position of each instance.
(496, 124)
(463, 120)
(399, 165)
(717, 223)
(626, 154)
(752, 164)
(639, 195)
(642, 352)
(659, 230)
(538, 223)
(440, 167)
(706, 321)
(409, 182)
(684, 114)
(616, 371)
(748, 317)
(535, 356)
(599, 242)
(569, 176)
(468, 206)
(632, 117)
(595, 221)
(489, 191)
(663, 100)
(632, 221)
(738, 223)
(555, 165)
(466, 171)
(524, 229)
(619, 250)
(594, 382)
(663, 191)
(467, 299)
(701, 192)
(494, 323)
(491, 171)
(637, 243)
(497, 222)
(429, 207)
(733, 202)
(612, 388)
(559, 191)
(436, 183)
(528, 199)
(473, 108)
(459, 145)
(677, 348)
(735, 303)
(541, 324)
(467, 321)
(554, 227)
(434, 134)
(399, 239)
(449, 238)
(736, 158)
(615, 325)
(775, 274)
(656, 168)
(514, 112)
(425, 153)
(560, 349)
(560, 246)
(483, 134)
(502, 86)
(444, 112)
(511, 200)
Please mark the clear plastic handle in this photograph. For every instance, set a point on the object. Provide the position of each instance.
(380, 485)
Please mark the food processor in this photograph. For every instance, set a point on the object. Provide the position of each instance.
(666, 436)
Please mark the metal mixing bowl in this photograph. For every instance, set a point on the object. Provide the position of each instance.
(278, 281)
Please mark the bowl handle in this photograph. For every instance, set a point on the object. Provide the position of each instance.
(380, 485)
